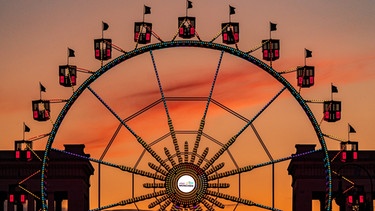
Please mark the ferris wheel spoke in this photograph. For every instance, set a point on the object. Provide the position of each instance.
(239, 200)
(251, 167)
(203, 120)
(170, 124)
(139, 139)
(131, 200)
(234, 138)
(158, 201)
(121, 167)
(214, 201)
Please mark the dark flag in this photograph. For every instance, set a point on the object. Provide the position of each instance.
(351, 129)
(42, 88)
(308, 53)
(105, 26)
(71, 53)
(147, 10)
(26, 128)
(334, 89)
(189, 4)
(272, 26)
(232, 10)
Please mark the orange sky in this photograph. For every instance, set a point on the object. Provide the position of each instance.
(34, 42)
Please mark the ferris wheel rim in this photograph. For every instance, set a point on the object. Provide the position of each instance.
(197, 44)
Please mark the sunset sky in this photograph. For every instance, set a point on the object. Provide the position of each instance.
(35, 36)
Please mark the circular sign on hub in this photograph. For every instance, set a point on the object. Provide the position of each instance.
(186, 183)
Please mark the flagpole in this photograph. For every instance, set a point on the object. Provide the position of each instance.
(67, 59)
(23, 137)
(348, 132)
(270, 44)
(144, 11)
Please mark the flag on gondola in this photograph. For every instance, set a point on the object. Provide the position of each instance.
(308, 53)
(71, 53)
(232, 10)
(334, 89)
(147, 10)
(273, 26)
(42, 88)
(351, 129)
(105, 26)
(189, 4)
(26, 128)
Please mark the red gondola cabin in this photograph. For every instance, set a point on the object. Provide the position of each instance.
(41, 110)
(68, 75)
(349, 155)
(23, 150)
(103, 49)
(305, 76)
(230, 33)
(332, 111)
(186, 27)
(142, 32)
(271, 49)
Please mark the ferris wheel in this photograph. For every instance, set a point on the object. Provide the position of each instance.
(196, 141)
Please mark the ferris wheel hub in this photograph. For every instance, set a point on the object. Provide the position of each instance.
(186, 184)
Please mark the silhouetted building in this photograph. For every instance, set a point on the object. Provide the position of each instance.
(68, 180)
(308, 179)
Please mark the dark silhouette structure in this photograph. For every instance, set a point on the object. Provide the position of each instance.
(68, 179)
(308, 180)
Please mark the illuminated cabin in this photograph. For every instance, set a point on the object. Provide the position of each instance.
(349, 155)
(230, 33)
(41, 110)
(16, 194)
(305, 76)
(356, 197)
(103, 49)
(68, 75)
(332, 111)
(23, 150)
(186, 27)
(271, 49)
(142, 32)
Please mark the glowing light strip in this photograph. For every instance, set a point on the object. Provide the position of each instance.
(168, 154)
(239, 200)
(233, 139)
(204, 154)
(214, 201)
(207, 205)
(131, 200)
(218, 185)
(218, 34)
(186, 152)
(122, 167)
(27, 178)
(28, 147)
(158, 169)
(170, 124)
(139, 139)
(203, 120)
(257, 47)
(154, 185)
(158, 201)
(165, 205)
(35, 138)
(215, 168)
(29, 192)
(251, 167)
